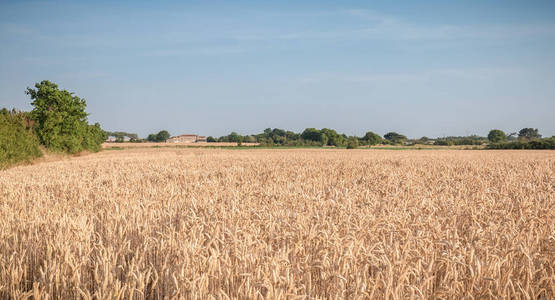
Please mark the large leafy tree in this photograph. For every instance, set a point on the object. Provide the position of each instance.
(312, 134)
(529, 133)
(334, 138)
(234, 137)
(61, 120)
(496, 136)
(372, 138)
(395, 137)
(162, 136)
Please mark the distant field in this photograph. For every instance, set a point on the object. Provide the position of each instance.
(146, 145)
(280, 223)
(127, 145)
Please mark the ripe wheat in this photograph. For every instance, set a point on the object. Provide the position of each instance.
(295, 224)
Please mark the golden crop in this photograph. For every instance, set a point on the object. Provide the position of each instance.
(298, 224)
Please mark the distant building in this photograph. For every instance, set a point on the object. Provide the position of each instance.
(186, 138)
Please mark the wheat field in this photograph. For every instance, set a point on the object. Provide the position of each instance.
(280, 224)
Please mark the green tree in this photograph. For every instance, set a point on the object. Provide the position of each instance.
(268, 132)
(334, 138)
(162, 136)
(278, 132)
(312, 134)
(529, 133)
(234, 137)
(371, 138)
(18, 142)
(395, 137)
(94, 138)
(352, 143)
(324, 139)
(292, 136)
(152, 137)
(496, 136)
(211, 139)
(60, 119)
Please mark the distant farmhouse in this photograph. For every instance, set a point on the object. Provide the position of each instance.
(186, 138)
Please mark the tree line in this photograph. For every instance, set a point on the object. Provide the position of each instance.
(58, 122)
(311, 137)
(496, 139)
(119, 137)
(526, 138)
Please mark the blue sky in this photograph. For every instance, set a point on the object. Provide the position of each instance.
(429, 68)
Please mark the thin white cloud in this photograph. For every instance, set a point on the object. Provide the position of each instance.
(374, 25)
(360, 24)
(208, 51)
(417, 77)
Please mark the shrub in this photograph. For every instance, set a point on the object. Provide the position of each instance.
(94, 138)
(17, 140)
(460, 140)
(352, 143)
(548, 143)
(441, 143)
